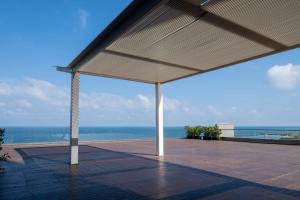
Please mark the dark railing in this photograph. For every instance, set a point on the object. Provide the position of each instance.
(266, 133)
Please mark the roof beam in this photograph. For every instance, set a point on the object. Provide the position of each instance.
(116, 53)
(64, 69)
(116, 77)
(197, 11)
(69, 70)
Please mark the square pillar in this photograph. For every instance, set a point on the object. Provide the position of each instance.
(74, 118)
(159, 120)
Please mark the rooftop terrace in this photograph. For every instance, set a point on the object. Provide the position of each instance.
(190, 169)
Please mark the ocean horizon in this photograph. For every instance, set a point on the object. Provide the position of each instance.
(44, 134)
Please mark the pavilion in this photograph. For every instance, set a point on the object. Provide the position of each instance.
(159, 41)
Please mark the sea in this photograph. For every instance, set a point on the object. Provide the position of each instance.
(20, 135)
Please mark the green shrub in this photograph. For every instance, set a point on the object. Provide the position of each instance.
(192, 132)
(212, 132)
(208, 132)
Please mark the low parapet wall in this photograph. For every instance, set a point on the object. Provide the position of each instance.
(264, 141)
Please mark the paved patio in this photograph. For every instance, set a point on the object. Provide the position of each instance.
(191, 169)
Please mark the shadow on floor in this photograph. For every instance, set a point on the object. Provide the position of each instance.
(105, 174)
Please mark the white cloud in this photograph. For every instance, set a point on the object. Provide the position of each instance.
(173, 105)
(105, 101)
(233, 108)
(170, 104)
(45, 91)
(146, 101)
(284, 76)
(83, 17)
(23, 103)
(212, 109)
(42, 100)
(38, 89)
(186, 109)
(254, 112)
(41, 90)
(12, 113)
(5, 89)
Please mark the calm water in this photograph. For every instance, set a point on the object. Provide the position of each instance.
(57, 134)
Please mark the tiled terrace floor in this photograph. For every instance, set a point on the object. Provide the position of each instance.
(191, 169)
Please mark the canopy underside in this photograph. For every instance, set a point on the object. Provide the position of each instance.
(163, 41)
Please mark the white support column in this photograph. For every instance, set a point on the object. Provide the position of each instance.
(159, 120)
(74, 121)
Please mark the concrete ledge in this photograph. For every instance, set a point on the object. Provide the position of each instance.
(264, 141)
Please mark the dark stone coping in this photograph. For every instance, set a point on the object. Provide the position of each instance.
(263, 141)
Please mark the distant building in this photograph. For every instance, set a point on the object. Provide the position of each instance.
(227, 129)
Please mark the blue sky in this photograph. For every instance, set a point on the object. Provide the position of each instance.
(38, 35)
